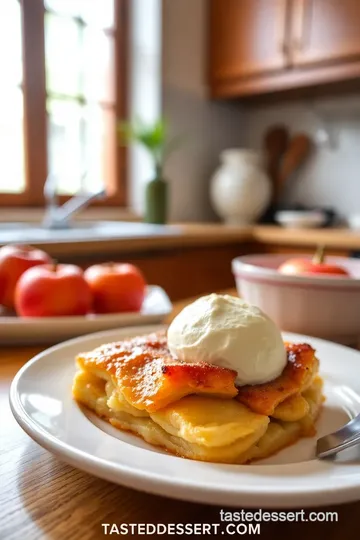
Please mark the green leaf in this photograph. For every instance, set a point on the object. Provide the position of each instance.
(153, 137)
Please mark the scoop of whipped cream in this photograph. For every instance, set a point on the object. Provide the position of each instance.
(228, 332)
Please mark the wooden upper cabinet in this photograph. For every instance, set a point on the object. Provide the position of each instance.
(267, 46)
(324, 31)
(247, 37)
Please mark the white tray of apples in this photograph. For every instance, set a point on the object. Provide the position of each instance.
(45, 302)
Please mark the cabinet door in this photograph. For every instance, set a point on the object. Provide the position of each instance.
(247, 37)
(325, 31)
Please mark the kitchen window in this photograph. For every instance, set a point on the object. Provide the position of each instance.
(62, 92)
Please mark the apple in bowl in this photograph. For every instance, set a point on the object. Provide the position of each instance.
(53, 290)
(316, 265)
(14, 261)
(325, 305)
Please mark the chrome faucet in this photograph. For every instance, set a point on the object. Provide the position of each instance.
(59, 217)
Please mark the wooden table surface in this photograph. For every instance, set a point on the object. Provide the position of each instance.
(43, 498)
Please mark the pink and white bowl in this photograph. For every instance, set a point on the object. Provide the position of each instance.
(320, 305)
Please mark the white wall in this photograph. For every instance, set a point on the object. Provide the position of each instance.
(332, 174)
(176, 81)
(144, 88)
(207, 127)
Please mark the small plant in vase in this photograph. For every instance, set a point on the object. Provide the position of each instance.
(152, 137)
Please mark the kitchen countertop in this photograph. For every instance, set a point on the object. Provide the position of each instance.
(207, 234)
(337, 238)
(43, 498)
(177, 236)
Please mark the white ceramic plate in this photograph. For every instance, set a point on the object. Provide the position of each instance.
(300, 219)
(41, 401)
(55, 329)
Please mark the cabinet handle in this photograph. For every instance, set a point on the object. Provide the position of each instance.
(301, 23)
(284, 45)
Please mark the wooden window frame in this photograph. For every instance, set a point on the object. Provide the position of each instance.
(35, 117)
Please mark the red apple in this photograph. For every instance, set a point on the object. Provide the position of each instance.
(52, 290)
(116, 287)
(316, 265)
(14, 261)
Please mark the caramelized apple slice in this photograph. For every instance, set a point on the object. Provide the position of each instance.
(150, 378)
(299, 372)
(292, 409)
(210, 422)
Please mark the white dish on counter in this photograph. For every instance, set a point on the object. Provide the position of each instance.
(42, 403)
(18, 330)
(320, 305)
(300, 219)
(354, 222)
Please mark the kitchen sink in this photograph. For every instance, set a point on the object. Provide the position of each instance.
(81, 231)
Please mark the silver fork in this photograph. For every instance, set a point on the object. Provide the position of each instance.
(345, 437)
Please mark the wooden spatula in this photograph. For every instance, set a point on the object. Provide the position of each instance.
(276, 141)
(298, 151)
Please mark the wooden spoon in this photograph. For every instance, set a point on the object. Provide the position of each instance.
(276, 142)
(299, 149)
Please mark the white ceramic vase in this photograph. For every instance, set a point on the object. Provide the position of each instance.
(240, 190)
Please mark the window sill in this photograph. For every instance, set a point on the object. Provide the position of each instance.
(35, 215)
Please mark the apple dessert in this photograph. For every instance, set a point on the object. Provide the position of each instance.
(220, 385)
